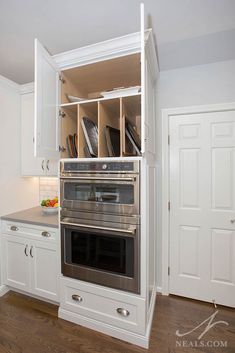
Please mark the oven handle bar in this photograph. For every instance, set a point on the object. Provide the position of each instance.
(129, 231)
(98, 178)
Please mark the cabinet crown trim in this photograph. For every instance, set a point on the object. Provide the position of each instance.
(128, 44)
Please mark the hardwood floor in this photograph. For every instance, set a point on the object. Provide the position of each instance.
(28, 325)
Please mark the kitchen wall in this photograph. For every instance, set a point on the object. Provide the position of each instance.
(16, 193)
(191, 86)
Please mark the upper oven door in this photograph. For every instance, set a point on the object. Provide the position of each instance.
(100, 193)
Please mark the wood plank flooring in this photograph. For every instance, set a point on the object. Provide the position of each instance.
(28, 325)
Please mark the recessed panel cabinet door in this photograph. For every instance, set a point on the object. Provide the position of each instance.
(45, 266)
(15, 263)
(46, 104)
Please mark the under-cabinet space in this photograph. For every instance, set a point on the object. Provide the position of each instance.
(130, 125)
(88, 130)
(109, 128)
(68, 129)
(90, 81)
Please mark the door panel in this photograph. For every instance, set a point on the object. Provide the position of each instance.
(202, 195)
(44, 270)
(46, 104)
(16, 264)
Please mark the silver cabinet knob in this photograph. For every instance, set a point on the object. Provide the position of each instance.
(46, 234)
(123, 312)
(14, 228)
(232, 221)
(77, 298)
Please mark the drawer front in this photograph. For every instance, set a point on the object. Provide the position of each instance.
(31, 231)
(102, 307)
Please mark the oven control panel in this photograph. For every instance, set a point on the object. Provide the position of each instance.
(115, 167)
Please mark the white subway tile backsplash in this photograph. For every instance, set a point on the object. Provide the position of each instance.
(48, 188)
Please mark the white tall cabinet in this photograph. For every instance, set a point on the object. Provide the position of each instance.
(127, 61)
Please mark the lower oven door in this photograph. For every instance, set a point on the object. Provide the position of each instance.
(107, 255)
(110, 194)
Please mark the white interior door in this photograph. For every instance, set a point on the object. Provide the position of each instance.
(46, 104)
(202, 214)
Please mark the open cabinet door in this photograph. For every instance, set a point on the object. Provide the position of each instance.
(46, 126)
(142, 38)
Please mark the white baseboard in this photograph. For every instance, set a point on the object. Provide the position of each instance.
(139, 340)
(3, 290)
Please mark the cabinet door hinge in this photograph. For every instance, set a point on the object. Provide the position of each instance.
(169, 205)
(168, 271)
(62, 149)
(61, 114)
(61, 79)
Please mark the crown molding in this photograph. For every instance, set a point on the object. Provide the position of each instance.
(27, 88)
(9, 83)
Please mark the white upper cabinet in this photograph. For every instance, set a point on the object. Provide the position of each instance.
(46, 104)
(127, 61)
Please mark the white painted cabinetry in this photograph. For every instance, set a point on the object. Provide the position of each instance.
(31, 165)
(30, 259)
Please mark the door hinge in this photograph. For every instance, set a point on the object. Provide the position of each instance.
(61, 79)
(168, 139)
(62, 114)
(169, 205)
(168, 271)
(62, 149)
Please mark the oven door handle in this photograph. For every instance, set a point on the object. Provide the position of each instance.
(129, 231)
(98, 178)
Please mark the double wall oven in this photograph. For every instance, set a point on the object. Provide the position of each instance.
(100, 222)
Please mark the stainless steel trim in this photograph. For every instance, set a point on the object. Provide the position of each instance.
(123, 312)
(98, 178)
(31, 251)
(47, 165)
(46, 234)
(25, 250)
(77, 298)
(73, 216)
(14, 228)
(129, 231)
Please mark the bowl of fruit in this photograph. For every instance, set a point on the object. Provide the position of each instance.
(50, 206)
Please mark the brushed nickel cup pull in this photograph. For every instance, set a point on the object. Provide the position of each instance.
(232, 221)
(42, 165)
(25, 250)
(123, 312)
(31, 251)
(14, 228)
(77, 298)
(47, 165)
(46, 234)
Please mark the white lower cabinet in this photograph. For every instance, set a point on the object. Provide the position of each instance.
(15, 262)
(30, 264)
(107, 306)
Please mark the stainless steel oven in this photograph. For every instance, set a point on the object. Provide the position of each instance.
(102, 251)
(100, 223)
(103, 187)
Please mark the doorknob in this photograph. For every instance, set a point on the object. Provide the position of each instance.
(232, 221)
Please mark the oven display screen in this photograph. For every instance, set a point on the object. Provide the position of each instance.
(102, 252)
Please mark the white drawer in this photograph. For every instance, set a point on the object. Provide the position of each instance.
(101, 304)
(30, 230)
